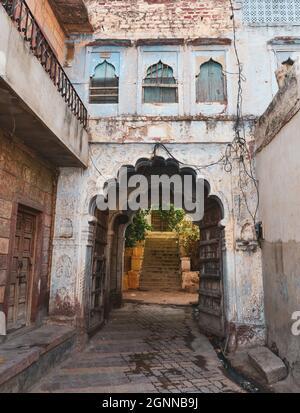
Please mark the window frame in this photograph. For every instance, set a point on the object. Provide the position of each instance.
(114, 55)
(111, 87)
(198, 56)
(173, 56)
(224, 86)
(275, 47)
(160, 85)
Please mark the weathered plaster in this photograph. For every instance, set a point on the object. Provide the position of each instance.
(278, 171)
(247, 309)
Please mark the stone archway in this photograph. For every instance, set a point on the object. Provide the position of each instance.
(211, 298)
(242, 279)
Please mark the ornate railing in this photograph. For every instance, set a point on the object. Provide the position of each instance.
(26, 24)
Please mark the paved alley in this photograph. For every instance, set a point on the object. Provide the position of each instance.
(144, 348)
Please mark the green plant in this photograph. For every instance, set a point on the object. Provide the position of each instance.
(136, 231)
(189, 235)
(172, 217)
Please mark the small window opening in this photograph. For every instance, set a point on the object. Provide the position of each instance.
(210, 83)
(104, 85)
(160, 86)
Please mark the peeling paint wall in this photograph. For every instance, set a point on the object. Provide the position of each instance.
(278, 171)
(185, 33)
(244, 301)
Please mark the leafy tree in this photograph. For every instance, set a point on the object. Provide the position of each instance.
(189, 235)
(136, 231)
(172, 217)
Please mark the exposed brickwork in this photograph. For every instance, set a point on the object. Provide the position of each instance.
(151, 18)
(24, 180)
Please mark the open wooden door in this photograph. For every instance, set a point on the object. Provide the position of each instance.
(211, 317)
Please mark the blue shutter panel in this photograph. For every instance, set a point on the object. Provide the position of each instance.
(210, 84)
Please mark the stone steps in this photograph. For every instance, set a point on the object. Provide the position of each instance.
(161, 264)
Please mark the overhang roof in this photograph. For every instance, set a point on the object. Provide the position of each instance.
(72, 15)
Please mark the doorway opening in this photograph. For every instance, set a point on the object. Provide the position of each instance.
(159, 259)
(155, 266)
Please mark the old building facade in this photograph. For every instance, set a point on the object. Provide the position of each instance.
(160, 79)
(34, 142)
(134, 43)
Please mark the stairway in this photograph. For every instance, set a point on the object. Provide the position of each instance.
(161, 264)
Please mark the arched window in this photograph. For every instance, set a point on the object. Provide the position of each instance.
(159, 85)
(210, 83)
(104, 84)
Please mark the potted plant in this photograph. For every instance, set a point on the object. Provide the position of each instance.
(189, 235)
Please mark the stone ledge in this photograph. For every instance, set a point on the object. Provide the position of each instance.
(24, 351)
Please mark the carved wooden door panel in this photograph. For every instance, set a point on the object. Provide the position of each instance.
(211, 316)
(98, 278)
(21, 271)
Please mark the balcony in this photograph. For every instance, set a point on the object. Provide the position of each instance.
(38, 103)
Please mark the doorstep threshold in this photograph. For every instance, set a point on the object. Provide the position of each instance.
(25, 356)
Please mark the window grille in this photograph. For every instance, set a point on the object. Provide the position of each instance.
(104, 85)
(271, 12)
(160, 86)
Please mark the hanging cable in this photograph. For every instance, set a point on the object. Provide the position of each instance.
(236, 151)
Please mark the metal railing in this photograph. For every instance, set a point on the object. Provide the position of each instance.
(26, 24)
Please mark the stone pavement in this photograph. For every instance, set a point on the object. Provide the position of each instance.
(143, 348)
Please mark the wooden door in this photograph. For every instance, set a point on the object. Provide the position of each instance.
(21, 270)
(98, 279)
(211, 315)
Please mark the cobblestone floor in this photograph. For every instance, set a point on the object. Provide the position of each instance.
(144, 348)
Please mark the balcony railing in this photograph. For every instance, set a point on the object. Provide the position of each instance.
(26, 24)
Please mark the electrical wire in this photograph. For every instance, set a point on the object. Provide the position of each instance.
(95, 166)
(237, 150)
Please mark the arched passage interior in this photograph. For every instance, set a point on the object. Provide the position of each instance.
(211, 253)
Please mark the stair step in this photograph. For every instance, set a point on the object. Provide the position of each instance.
(161, 263)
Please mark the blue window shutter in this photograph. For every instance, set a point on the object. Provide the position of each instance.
(210, 84)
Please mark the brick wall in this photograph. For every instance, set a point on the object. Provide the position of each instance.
(150, 18)
(50, 26)
(24, 180)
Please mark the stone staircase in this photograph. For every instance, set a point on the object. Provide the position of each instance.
(161, 264)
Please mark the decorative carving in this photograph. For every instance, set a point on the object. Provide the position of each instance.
(66, 228)
(64, 267)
